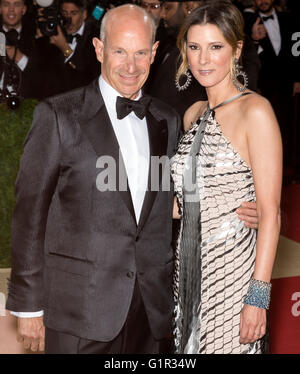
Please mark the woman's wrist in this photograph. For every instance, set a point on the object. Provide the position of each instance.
(258, 294)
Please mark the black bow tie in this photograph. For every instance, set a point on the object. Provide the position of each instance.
(12, 36)
(268, 17)
(125, 106)
(70, 37)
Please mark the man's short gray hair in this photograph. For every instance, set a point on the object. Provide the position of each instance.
(144, 13)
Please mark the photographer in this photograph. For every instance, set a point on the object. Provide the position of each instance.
(20, 45)
(67, 58)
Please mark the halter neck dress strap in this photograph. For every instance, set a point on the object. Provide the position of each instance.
(229, 100)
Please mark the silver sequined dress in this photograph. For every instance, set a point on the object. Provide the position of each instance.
(227, 246)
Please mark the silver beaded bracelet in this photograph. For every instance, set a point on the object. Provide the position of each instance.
(258, 294)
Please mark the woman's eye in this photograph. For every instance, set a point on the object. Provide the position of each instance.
(193, 47)
(217, 46)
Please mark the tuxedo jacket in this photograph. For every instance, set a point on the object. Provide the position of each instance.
(276, 71)
(77, 252)
(54, 76)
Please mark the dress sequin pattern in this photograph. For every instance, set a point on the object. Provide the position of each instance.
(228, 247)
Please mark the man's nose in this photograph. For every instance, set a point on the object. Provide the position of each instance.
(131, 64)
(163, 13)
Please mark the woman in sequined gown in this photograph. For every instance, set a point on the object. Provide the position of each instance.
(232, 145)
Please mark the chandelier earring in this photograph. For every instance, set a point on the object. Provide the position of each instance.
(239, 73)
(183, 81)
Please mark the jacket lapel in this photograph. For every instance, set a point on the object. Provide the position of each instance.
(96, 125)
(158, 141)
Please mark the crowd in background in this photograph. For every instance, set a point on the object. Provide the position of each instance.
(50, 51)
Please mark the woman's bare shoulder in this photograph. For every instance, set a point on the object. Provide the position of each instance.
(256, 111)
(255, 106)
(192, 113)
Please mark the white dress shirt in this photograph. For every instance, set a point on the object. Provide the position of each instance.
(73, 45)
(273, 30)
(133, 139)
(132, 136)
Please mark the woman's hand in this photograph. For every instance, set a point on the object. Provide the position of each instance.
(253, 324)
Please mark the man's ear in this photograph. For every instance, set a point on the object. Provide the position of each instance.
(24, 9)
(84, 14)
(99, 47)
(153, 51)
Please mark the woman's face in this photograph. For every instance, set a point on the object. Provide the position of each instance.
(209, 55)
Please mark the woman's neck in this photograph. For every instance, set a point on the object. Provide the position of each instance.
(221, 92)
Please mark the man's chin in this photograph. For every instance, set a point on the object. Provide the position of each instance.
(267, 10)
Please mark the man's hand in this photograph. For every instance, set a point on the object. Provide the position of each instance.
(31, 332)
(296, 89)
(248, 213)
(258, 30)
(59, 40)
(11, 51)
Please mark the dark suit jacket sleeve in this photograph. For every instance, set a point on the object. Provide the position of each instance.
(179, 131)
(35, 185)
(251, 63)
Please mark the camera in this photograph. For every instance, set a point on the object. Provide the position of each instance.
(49, 17)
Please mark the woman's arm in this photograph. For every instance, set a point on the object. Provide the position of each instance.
(265, 154)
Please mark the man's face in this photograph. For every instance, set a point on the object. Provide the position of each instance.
(12, 12)
(75, 14)
(264, 6)
(126, 54)
(173, 16)
(153, 7)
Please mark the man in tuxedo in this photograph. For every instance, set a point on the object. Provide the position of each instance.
(97, 262)
(67, 60)
(20, 43)
(272, 32)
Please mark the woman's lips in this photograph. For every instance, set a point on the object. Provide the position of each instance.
(205, 72)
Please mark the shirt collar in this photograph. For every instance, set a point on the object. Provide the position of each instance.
(80, 31)
(109, 94)
(19, 29)
(273, 13)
